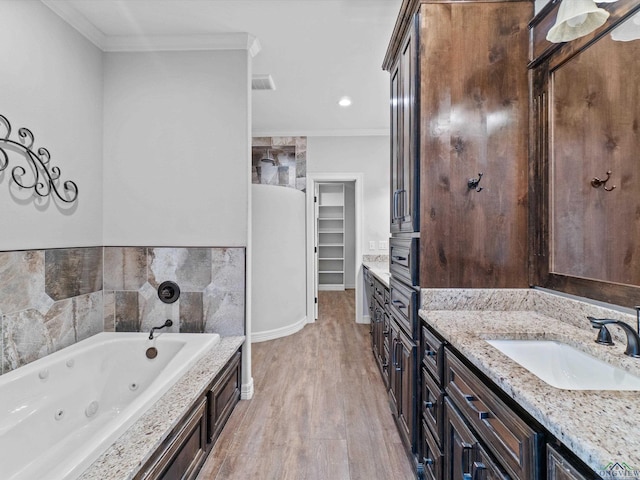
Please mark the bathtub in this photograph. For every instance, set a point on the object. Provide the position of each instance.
(59, 413)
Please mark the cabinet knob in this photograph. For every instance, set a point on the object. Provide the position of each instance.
(427, 461)
(430, 353)
(428, 404)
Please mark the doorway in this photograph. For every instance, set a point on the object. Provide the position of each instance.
(334, 216)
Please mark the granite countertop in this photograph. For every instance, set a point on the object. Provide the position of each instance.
(131, 451)
(380, 270)
(598, 426)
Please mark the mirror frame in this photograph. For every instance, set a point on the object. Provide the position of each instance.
(545, 57)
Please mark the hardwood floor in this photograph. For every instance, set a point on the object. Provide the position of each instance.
(320, 409)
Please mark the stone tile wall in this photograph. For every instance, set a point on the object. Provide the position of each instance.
(211, 281)
(49, 299)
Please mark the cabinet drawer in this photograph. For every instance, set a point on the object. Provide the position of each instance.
(432, 457)
(404, 303)
(432, 406)
(403, 259)
(560, 468)
(378, 290)
(432, 354)
(223, 396)
(506, 435)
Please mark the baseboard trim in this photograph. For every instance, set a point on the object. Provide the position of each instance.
(257, 337)
(246, 391)
(364, 319)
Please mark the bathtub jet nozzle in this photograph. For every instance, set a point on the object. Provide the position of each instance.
(168, 323)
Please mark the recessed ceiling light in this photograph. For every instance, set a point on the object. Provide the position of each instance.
(344, 102)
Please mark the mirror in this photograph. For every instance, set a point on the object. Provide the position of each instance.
(594, 135)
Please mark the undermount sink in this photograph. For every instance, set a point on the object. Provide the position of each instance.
(563, 366)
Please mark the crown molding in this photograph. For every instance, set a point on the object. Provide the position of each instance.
(77, 21)
(372, 132)
(155, 43)
(152, 43)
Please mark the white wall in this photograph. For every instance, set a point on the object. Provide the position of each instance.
(51, 83)
(278, 301)
(366, 154)
(177, 148)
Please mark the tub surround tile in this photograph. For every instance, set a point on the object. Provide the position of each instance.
(191, 312)
(109, 311)
(127, 312)
(132, 450)
(190, 267)
(125, 268)
(212, 286)
(29, 335)
(22, 279)
(589, 423)
(70, 272)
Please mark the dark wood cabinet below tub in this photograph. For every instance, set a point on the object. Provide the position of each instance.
(223, 397)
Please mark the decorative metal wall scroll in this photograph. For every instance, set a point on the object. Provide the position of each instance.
(45, 177)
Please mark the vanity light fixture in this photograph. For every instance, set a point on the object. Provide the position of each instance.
(577, 18)
(627, 31)
(42, 177)
(344, 102)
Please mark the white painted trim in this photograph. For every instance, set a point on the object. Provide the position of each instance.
(366, 319)
(328, 286)
(78, 21)
(278, 332)
(312, 179)
(349, 287)
(246, 390)
(372, 132)
(152, 43)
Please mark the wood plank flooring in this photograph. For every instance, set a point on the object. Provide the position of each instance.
(320, 409)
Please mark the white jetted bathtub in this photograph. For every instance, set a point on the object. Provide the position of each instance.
(59, 413)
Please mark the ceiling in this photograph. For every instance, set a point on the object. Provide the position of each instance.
(316, 50)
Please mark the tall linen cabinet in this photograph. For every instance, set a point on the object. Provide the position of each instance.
(459, 162)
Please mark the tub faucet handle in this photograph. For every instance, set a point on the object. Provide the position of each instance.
(168, 323)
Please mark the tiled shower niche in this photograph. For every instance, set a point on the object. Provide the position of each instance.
(211, 281)
(279, 161)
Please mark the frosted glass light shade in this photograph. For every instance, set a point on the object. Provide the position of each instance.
(575, 19)
(628, 31)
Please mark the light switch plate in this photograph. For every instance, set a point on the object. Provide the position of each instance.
(382, 245)
(372, 245)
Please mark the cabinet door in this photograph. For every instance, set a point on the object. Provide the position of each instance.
(404, 137)
(396, 148)
(395, 376)
(407, 401)
(458, 445)
(559, 468)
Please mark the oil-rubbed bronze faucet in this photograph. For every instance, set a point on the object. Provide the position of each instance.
(168, 323)
(633, 340)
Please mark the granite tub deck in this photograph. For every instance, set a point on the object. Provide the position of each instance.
(130, 452)
(598, 426)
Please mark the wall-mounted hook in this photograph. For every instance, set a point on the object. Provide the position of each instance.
(597, 182)
(473, 183)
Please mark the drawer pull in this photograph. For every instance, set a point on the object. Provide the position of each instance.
(385, 332)
(430, 353)
(478, 472)
(399, 258)
(427, 461)
(482, 415)
(428, 405)
(399, 304)
(469, 398)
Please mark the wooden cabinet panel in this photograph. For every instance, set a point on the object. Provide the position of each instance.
(474, 119)
(185, 453)
(432, 354)
(432, 458)
(560, 468)
(432, 406)
(223, 396)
